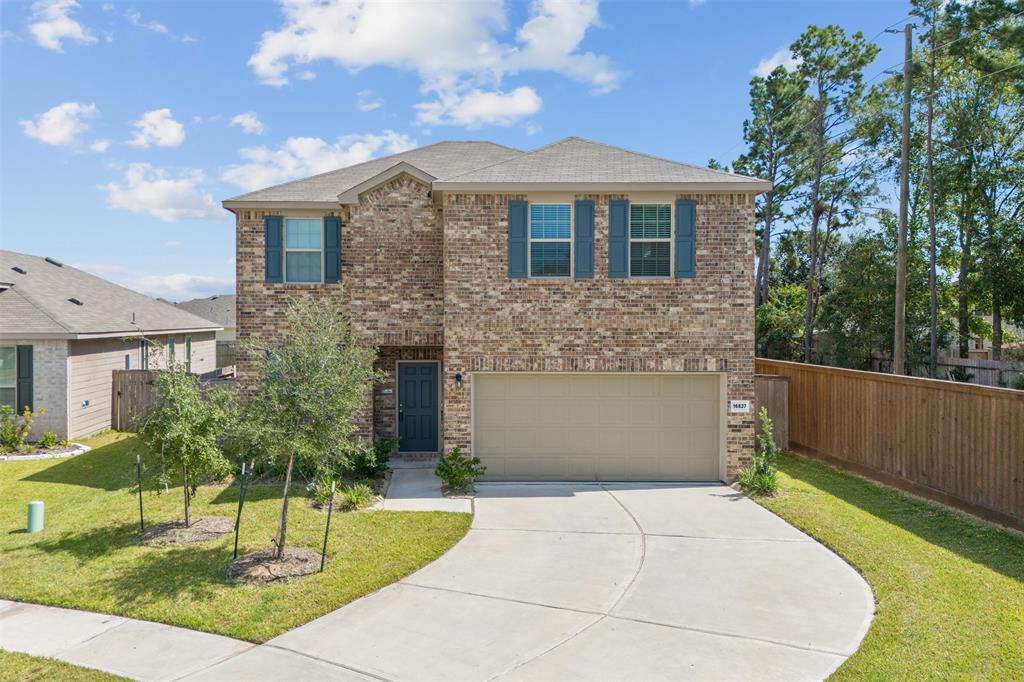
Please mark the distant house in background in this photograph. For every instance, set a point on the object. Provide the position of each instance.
(221, 310)
(63, 331)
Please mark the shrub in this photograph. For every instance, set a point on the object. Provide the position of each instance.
(356, 496)
(319, 491)
(371, 461)
(14, 429)
(458, 470)
(762, 477)
(1018, 382)
(48, 440)
(960, 374)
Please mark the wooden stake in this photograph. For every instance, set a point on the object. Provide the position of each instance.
(330, 508)
(241, 500)
(138, 473)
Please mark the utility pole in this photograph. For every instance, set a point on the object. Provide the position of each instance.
(933, 297)
(899, 347)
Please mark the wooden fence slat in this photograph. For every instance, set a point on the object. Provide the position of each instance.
(962, 444)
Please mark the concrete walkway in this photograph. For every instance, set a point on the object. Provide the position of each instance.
(418, 489)
(569, 582)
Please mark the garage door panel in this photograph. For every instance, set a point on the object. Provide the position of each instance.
(597, 426)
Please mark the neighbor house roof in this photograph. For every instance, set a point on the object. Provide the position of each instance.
(219, 309)
(44, 298)
(571, 164)
(437, 160)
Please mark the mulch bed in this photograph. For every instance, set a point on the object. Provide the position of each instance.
(263, 567)
(57, 452)
(203, 528)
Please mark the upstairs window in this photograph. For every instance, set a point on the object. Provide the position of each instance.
(650, 240)
(303, 250)
(550, 240)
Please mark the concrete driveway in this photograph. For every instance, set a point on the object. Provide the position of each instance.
(596, 582)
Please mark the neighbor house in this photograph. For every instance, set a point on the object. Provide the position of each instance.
(577, 312)
(63, 331)
(219, 309)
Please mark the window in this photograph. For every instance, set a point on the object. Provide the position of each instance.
(188, 353)
(650, 240)
(550, 240)
(144, 352)
(9, 376)
(303, 249)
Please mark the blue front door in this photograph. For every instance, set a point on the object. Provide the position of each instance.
(417, 407)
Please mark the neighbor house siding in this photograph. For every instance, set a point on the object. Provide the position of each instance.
(703, 324)
(49, 385)
(91, 362)
(391, 252)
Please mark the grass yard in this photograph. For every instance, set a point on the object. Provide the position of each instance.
(88, 556)
(950, 589)
(15, 667)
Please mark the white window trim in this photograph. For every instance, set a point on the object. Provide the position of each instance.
(15, 384)
(530, 240)
(671, 239)
(286, 250)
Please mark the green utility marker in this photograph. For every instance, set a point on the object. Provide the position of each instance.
(35, 516)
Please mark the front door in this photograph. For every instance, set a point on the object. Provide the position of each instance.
(417, 407)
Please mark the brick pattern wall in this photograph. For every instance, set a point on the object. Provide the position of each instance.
(391, 271)
(599, 325)
(49, 384)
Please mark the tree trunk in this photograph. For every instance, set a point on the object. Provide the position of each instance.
(899, 345)
(812, 241)
(997, 328)
(283, 529)
(761, 281)
(933, 295)
(188, 510)
(963, 317)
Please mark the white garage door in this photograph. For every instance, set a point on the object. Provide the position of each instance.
(587, 427)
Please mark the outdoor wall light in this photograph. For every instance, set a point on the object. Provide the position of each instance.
(458, 379)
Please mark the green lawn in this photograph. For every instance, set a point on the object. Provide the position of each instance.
(89, 557)
(949, 588)
(15, 667)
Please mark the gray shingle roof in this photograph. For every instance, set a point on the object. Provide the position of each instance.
(580, 162)
(439, 160)
(38, 303)
(219, 309)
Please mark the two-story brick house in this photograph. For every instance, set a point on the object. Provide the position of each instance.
(578, 312)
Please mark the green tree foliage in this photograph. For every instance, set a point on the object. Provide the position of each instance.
(186, 429)
(310, 387)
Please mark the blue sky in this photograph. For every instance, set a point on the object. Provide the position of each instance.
(125, 124)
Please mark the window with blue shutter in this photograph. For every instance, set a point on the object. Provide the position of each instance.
(650, 240)
(686, 238)
(550, 240)
(618, 238)
(273, 252)
(584, 239)
(332, 249)
(517, 240)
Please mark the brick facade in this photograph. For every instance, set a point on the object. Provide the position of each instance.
(415, 288)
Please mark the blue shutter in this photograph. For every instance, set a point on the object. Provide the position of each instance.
(273, 248)
(517, 242)
(618, 238)
(332, 249)
(686, 238)
(23, 388)
(584, 239)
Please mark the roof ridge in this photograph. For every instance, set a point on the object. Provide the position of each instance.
(498, 163)
(656, 158)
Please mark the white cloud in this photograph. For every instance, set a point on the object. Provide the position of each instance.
(99, 146)
(782, 57)
(135, 17)
(532, 128)
(61, 124)
(249, 122)
(367, 101)
(51, 23)
(306, 76)
(145, 189)
(456, 52)
(476, 108)
(304, 156)
(182, 287)
(159, 128)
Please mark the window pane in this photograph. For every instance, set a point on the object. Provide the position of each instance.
(550, 221)
(649, 259)
(549, 259)
(302, 233)
(8, 370)
(7, 397)
(650, 221)
(302, 266)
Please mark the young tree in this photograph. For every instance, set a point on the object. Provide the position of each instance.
(311, 384)
(771, 134)
(186, 427)
(832, 63)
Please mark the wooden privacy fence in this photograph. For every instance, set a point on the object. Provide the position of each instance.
(133, 395)
(772, 391)
(961, 444)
